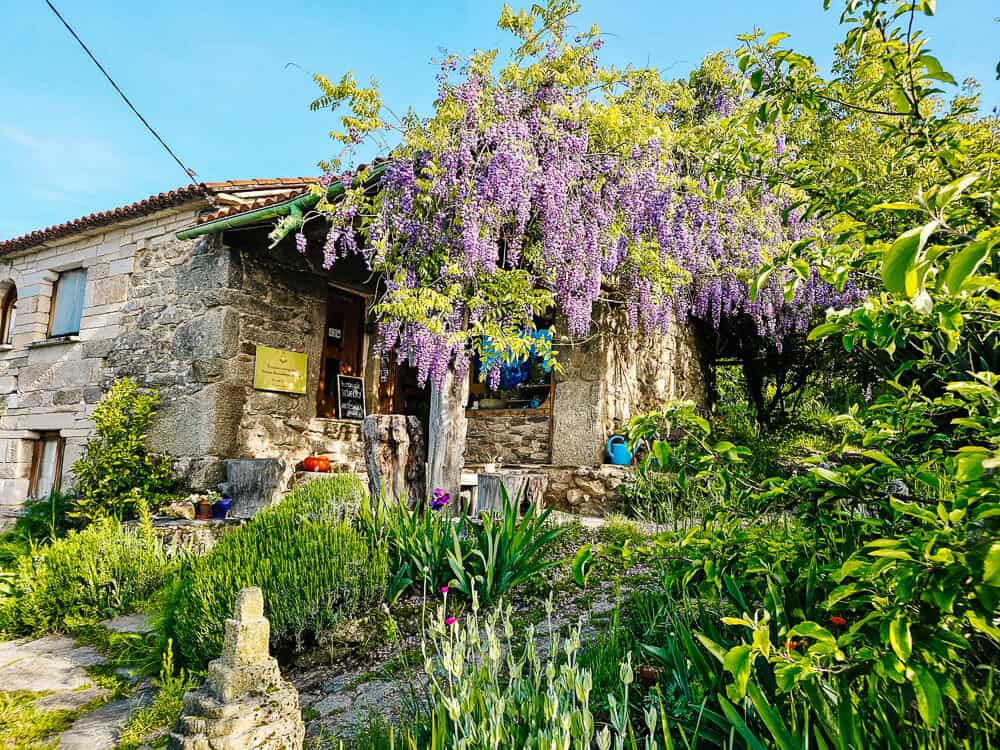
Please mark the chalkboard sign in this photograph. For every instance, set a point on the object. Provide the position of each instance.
(350, 397)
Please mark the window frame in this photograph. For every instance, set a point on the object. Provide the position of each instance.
(54, 302)
(7, 309)
(38, 450)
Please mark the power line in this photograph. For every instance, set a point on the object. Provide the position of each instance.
(189, 172)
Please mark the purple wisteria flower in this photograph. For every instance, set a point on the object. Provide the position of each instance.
(523, 183)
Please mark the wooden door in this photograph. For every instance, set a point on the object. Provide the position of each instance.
(342, 347)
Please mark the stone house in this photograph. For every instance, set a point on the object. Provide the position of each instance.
(258, 352)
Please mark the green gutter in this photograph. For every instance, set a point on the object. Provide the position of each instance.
(289, 207)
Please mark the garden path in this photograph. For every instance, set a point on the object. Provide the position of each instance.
(55, 669)
(339, 701)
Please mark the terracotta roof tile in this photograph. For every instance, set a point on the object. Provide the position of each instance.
(230, 196)
(239, 208)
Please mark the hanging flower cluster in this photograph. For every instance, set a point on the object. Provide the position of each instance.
(554, 184)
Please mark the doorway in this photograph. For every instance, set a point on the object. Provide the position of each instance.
(343, 347)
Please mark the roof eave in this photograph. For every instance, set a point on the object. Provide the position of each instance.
(300, 204)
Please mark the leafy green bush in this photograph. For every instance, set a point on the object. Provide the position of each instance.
(417, 541)
(43, 519)
(681, 471)
(429, 549)
(165, 709)
(314, 568)
(89, 575)
(117, 467)
(502, 552)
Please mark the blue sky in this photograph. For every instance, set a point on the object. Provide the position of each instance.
(227, 84)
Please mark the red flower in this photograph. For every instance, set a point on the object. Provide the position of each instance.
(792, 645)
(838, 621)
(451, 621)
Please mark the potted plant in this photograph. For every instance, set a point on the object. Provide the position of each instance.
(203, 503)
(202, 508)
(220, 508)
(493, 464)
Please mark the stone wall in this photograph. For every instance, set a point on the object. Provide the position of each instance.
(179, 335)
(182, 535)
(53, 385)
(645, 371)
(588, 490)
(515, 435)
(192, 328)
(614, 376)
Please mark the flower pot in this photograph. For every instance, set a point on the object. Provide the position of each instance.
(316, 463)
(202, 509)
(221, 508)
(489, 468)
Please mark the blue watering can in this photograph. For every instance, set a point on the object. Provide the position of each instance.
(618, 451)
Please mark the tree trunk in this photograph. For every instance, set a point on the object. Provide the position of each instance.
(394, 456)
(446, 435)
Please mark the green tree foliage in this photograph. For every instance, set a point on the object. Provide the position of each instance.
(117, 466)
(885, 633)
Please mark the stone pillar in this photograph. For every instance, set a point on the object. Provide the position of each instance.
(394, 456)
(244, 702)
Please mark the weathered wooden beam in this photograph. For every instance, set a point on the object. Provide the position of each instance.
(446, 433)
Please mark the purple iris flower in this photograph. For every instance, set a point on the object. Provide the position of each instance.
(439, 499)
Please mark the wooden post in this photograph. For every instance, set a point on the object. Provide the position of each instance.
(394, 456)
(446, 432)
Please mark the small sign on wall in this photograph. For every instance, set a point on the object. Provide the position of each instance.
(280, 370)
(350, 397)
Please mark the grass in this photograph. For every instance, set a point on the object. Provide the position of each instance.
(618, 530)
(160, 715)
(23, 726)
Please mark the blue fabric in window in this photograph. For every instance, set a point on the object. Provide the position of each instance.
(69, 303)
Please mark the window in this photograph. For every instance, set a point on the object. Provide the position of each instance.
(46, 465)
(7, 310)
(67, 303)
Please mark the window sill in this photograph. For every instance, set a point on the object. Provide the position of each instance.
(6, 348)
(54, 341)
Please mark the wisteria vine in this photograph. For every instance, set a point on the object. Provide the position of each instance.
(554, 184)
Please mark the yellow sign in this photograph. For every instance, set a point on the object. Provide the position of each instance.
(280, 370)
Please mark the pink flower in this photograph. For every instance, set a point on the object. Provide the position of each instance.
(443, 590)
(450, 620)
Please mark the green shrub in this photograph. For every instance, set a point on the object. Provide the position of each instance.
(417, 541)
(499, 554)
(43, 519)
(165, 709)
(314, 568)
(117, 467)
(86, 576)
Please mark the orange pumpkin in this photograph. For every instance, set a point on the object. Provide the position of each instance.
(316, 463)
